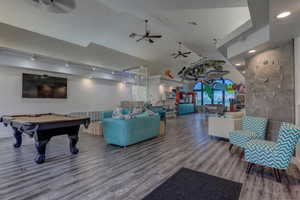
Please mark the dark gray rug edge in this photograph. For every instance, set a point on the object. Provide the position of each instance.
(188, 184)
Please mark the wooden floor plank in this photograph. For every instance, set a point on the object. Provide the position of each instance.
(102, 171)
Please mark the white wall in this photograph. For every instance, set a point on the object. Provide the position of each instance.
(83, 95)
(158, 86)
(297, 90)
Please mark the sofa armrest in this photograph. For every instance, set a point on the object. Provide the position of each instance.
(115, 131)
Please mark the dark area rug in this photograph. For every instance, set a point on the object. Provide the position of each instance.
(187, 184)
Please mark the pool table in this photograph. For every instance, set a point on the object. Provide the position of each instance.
(42, 127)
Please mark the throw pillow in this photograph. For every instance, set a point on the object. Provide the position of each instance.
(117, 113)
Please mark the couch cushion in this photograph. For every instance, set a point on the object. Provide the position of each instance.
(260, 152)
(126, 111)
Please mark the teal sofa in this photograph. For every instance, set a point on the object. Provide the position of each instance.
(123, 132)
(184, 109)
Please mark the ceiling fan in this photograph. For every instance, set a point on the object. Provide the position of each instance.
(180, 52)
(147, 36)
(55, 6)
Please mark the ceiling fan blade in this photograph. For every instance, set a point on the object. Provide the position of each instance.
(181, 71)
(150, 40)
(71, 4)
(173, 54)
(132, 35)
(187, 53)
(154, 36)
(176, 56)
(184, 55)
(138, 40)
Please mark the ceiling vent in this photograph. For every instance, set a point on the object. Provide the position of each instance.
(55, 6)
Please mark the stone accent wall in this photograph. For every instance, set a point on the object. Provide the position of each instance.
(270, 86)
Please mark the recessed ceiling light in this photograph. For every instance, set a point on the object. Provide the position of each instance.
(252, 51)
(32, 58)
(238, 64)
(94, 68)
(283, 14)
(67, 64)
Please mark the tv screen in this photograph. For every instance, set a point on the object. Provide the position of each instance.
(43, 86)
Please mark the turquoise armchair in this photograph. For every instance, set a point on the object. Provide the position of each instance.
(252, 128)
(271, 154)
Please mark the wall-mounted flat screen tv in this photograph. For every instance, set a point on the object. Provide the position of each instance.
(43, 86)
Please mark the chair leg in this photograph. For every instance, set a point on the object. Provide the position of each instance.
(277, 175)
(250, 166)
(242, 153)
(262, 171)
(230, 147)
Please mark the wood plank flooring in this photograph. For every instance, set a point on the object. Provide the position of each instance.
(103, 171)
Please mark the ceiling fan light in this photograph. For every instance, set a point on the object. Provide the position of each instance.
(283, 15)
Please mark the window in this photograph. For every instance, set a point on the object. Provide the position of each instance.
(206, 99)
(219, 93)
(229, 94)
(218, 97)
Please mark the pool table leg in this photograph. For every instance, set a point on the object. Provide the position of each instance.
(73, 137)
(18, 137)
(40, 146)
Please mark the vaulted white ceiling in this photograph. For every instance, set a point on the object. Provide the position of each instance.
(109, 23)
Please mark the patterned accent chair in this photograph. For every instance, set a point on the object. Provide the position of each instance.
(271, 154)
(252, 128)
